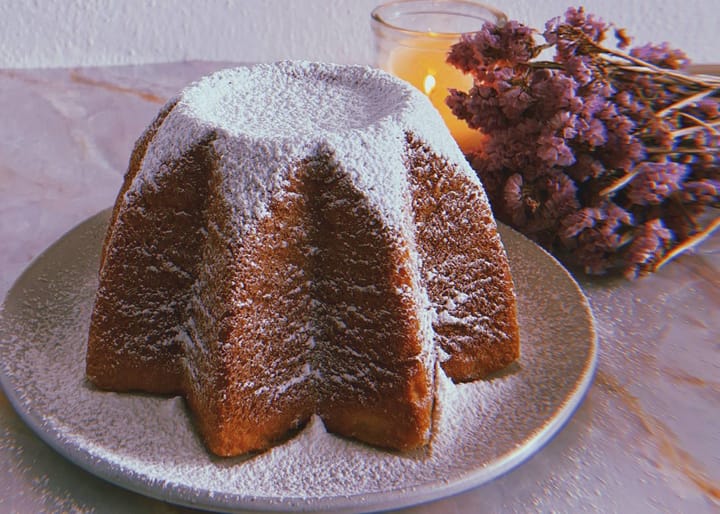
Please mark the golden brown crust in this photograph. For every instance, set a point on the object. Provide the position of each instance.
(463, 258)
(370, 334)
(316, 310)
(136, 158)
(148, 258)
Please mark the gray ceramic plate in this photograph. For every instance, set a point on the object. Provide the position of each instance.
(147, 443)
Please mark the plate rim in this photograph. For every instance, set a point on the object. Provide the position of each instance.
(359, 502)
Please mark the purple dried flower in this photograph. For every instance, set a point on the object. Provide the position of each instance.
(592, 26)
(623, 40)
(577, 33)
(564, 124)
(586, 167)
(607, 219)
(660, 133)
(551, 30)
(648, 245)
(459, 103)
(709, 108)
(492, 45)
(558, 92)
(593, 236)
(592, 132)
(514, 199)
(655, 182)
(554, 150)
(578, 221)
(615, 218)
(593, 251)
(704, 191)
(661, 55)
(464, 56)
(625, 100)
(514, 103)
(578, 67)
(561, 194)
(603, 163)
(538, 205)
(595, 105)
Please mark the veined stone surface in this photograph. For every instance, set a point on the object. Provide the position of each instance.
(645, 439)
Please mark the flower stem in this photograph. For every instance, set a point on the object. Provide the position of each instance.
(686, 101)
(664, 151)
(618, 184)
(647, 67)
(690, 242)
(700, 126)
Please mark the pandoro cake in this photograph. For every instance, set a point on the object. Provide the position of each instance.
(299, 239)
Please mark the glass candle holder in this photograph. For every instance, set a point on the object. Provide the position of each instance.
(412, 40)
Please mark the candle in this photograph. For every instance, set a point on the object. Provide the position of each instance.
(426, 69)
(412, 39)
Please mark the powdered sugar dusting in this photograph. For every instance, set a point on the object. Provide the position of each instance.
(357, 113)
(301, 145)
(149, 443)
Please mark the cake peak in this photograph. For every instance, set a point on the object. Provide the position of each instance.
(295, 99)
(262, 119)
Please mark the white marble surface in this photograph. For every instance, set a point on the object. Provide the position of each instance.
(646, 438)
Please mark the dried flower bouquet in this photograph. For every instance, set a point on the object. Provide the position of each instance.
(608, 158)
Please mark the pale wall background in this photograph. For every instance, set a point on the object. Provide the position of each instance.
(61, 33)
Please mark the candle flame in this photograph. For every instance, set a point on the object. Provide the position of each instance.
(429, 84)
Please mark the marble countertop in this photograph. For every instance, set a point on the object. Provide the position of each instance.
(645, 439)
